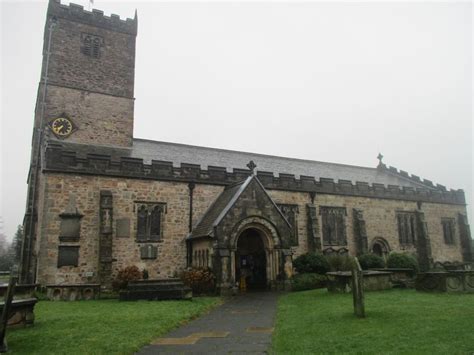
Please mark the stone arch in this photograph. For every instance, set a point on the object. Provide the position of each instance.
(380, 247)
(271, 244)
(271, 236)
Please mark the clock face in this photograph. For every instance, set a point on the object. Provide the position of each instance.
(61, 127)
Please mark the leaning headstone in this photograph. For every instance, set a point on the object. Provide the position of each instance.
(6, 313)
(358, 289)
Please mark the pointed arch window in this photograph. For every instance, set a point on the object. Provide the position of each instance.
(91, 45)
(150, 221)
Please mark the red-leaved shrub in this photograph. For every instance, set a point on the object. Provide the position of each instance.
(201, 280)
(130, 273)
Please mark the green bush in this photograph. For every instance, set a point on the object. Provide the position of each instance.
(371, 261)
(311, 263)
(338, 262)
(302, 282)
(402, 260)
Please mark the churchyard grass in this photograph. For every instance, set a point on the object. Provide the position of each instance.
(398, 321)
(102, 326)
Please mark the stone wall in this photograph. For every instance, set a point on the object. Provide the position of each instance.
(97, 117)
(84, 191)
(95, 92)
(112, 73)
(381, 221)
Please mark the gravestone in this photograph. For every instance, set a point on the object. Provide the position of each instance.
(358, 289)
(6, 313)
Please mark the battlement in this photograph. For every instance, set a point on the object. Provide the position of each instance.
(59, 160)
(75, 12)
(401, 173)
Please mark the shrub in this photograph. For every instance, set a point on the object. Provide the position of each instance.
(311, 263)
(371, 261)
(302, 282)
(402, 260)
(130, 273)
(201, 280)
(338, 262)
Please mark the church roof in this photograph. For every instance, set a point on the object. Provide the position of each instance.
(218, 209)
(181, 153)
(224, 202)
(176, 154)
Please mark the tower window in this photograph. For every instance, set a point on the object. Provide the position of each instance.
(91, 45)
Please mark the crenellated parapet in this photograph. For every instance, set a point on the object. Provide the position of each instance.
(413, 178)
(75, 12)
(63, 161)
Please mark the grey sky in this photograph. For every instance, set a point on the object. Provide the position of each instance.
(326, 81)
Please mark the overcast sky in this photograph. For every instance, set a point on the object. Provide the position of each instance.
(327, 81)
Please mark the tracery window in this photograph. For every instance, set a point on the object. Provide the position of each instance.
(290, 212)
(91, 45)
(448, 230)
(150, 222)
(333, 225)
(406, 228)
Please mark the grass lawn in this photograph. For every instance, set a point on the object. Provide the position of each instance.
(398, 321)
(104, 326)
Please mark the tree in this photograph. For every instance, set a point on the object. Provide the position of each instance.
(10, 252)
(16, 243)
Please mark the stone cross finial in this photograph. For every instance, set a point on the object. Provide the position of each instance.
(380, 157)
(251, 165)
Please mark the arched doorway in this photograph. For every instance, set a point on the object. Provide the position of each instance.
(380, 247)
(251, 260)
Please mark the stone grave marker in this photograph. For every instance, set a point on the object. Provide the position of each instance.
(6, 312)
(358, 289)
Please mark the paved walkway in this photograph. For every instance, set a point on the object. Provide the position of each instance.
(243, 324)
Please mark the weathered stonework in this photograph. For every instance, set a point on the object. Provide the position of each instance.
(379, 214)
(197, 204)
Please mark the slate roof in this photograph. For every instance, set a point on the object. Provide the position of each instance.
(181, 153)
(218, 209)
(204, 156)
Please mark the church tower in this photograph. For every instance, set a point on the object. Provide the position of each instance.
(89, 71)
(85, 95)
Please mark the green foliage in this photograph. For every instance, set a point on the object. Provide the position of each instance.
(10, 252)
(402, 260)
(130, 273)
(311, 263)
(16, 244)
(302, 282)
(338, 262)
(103, 326)
(201, 280)
(371, 261)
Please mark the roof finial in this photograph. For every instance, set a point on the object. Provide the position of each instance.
(251, 165)
(380, 157)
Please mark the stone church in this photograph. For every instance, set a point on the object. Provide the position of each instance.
(100, 200)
